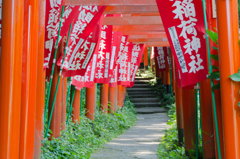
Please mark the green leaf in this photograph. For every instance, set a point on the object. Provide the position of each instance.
(214, 67)
(214, 57)
(216, 86)
(214, 75)
(239, 104)
(235, 77)
(213, 36)
(215, 48)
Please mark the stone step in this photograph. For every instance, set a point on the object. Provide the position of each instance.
(141, 82)
(143, 78)
(142, 95)
(149, 104)
(151, 110)
(144, 100)
(141, 86)
(139, 89)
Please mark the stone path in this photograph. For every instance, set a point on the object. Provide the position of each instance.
(142, 140)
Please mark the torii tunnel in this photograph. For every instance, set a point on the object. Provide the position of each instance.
(23, 74)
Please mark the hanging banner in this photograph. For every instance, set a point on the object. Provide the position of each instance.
(116, 41)
(114, 78)
(82, 28)
(160, 58)
(124, 65)
(166, 56)
(185, 32)
(53, 8)
(78, 63)
(88, 79)
(90, 73)
(104, 55)
(122, 46)
(137, 53)
(70, 15)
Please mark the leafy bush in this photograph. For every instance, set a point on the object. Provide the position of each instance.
(169, 148)
(80, 140)
(161, 91)
(146, 73)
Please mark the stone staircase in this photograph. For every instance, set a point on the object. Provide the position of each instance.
(144, 98)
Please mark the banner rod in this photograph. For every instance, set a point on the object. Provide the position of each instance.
(196, 114)
(213, 95)
(81, 97)
(59, 77)
(70, 109)
(53, 66)
(69, 90)
(170, 69)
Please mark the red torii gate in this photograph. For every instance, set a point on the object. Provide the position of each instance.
(144, 28)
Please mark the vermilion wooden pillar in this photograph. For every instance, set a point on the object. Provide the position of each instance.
(104, 98)
(90, 102)
(156, 68)
(120, 95)
(179, 108)
(56, 116)
(212, 24)
(76, 106)
(146, 58)
(10, 77)
(164, 77)
(64, 103)
(160, 76)
(167, 76)
(228, 37)
(40, 96)
(207, 119)
(29, 79)
(209, 143)
(189, 118)
(141, 63)
(111, 99)
(220, 123)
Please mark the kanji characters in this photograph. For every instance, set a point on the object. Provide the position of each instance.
(185, 11)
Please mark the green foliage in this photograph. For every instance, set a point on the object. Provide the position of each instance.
(168, 147)
(161, 91)
(213, 36)
(236, 77)
(146, 73)
(214, 57)
(216, 74)
(80, 140)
